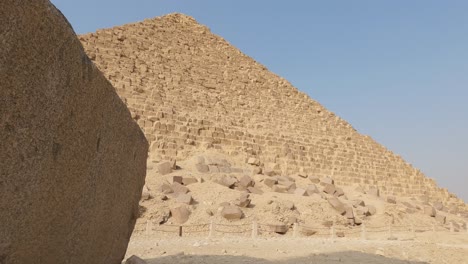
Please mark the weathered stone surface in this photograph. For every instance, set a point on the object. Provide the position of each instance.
(145, 194)
(231, 212)
(244, 200)
(300, 192)
(339, 192)
(178, 188)
(187, 180)
(314, 179)
(72, 160)
(327, 180)
(337, 205)
(311, 189)
(180, 214)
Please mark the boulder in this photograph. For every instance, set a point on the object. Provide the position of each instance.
(279, 189)
(337, 205)
(166, 188)
(176, 179)
(180, 214)
(228, 181)
(164, 167)
(72, 159)
(339, 192)
(349, 214)
(231, 212)
(135, 260)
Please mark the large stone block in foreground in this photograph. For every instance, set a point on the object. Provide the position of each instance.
(72, 160)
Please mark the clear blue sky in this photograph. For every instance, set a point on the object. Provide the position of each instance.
(396, 70)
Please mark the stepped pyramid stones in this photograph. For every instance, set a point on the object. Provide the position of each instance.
(190, 90)
(72, 160)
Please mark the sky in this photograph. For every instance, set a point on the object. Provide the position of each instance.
(396, 70)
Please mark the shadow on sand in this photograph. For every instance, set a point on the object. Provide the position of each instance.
(331, 258)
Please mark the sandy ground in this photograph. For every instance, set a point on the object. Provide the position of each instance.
(429, 247)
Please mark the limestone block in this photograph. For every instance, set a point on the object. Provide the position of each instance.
(327, 180)
(180, 214)
(339, 192)
(185, 198)
(72, 159)
(329, 189)
(187, 180)
(279, 228)
(253, 161)
(178, 188)
(166, 189)
(314, 179)
(244, 200)
(231, 212)
(279, 188)
(300, 192)
(357, 203)
(337, 205)
(164, 167)
(246, 181)
(269, 182)
(145, 195)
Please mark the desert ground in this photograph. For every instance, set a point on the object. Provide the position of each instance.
(428, 247)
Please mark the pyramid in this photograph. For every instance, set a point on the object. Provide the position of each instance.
(190, 90)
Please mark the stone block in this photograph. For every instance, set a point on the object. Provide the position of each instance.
(270, 182)
(279, 189)
(164, 167)
(339, 192)
(246, 181)
(311, 189)
(314, 179)
(231, 212)
(180, 214)
(337, 205)
(185, 198)
(187, 180)
(279, 228)
(178, 188)
(329, 189)
(374, 191)
(327, 181)
(300, 192)
(440, 219)
(244, 200)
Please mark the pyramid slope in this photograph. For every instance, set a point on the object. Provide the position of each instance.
(190, 89)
